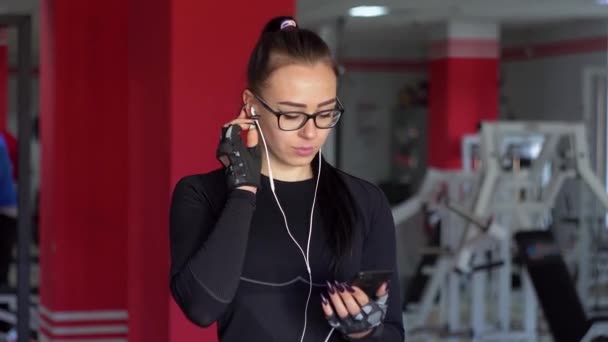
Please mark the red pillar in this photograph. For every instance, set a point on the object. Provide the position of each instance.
(84, 106)
(463, 87)
(131, 102)
(3, 79)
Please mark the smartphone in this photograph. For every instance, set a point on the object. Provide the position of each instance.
(370, 281)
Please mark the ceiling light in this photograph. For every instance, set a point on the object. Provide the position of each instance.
(602, 2)
(368, 11)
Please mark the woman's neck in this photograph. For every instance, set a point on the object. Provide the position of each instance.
(286, 173)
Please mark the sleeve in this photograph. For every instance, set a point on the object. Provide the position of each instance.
(380, 253)
(207, 252)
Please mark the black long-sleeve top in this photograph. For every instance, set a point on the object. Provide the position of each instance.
(233, 262)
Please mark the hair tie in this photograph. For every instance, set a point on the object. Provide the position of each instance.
(288, 23)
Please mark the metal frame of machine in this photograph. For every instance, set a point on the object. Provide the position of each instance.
(514, 200)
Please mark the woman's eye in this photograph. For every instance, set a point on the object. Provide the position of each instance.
(291, 116)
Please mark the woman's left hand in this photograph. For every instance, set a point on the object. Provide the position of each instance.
(350, 310)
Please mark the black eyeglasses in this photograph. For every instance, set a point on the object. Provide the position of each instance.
(294, 120)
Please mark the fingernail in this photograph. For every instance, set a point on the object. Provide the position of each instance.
(330, 288)
(340, 287)
(349, 288)
(323, 299)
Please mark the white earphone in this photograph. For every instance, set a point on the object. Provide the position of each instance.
(272, 187)
(254, 115)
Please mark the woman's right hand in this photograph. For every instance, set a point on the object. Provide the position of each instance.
(349, 310)
(243, 164)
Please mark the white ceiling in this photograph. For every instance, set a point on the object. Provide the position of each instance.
(409, 19)
(402, 11)
(412, 20)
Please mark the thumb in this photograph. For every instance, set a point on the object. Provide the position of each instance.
(382, 290)
(255, 151)
(252, 136)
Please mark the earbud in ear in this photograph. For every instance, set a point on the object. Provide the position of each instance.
(252, 111)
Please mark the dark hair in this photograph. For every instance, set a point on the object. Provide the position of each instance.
(282, 43)
(338, 209)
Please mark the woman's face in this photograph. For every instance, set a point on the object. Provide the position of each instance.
(307, 88)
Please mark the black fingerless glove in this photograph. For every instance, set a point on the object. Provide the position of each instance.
(371, 317)
(243, 165)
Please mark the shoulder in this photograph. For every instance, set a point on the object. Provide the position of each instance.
(210, 186)
(201, 180)
(361, 189)
(369, 197)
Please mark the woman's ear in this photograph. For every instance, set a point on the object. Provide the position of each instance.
(248, 97)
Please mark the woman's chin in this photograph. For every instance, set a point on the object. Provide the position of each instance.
(301, 161)
(297, 161)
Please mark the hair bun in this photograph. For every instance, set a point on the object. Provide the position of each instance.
(280, 23)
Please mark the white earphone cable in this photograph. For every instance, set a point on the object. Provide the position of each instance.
(305, 255)
(329, 335)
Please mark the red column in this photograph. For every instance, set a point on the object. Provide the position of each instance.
(463, 87)
(131, 102)
(3, 79)
(84, 106)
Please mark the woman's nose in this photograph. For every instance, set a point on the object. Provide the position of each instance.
(309, 131)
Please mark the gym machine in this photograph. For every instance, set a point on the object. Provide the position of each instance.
(512, 189)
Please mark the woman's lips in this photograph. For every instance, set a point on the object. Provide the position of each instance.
(304, 151)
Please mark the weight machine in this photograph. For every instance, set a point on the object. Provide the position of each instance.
(514, 183)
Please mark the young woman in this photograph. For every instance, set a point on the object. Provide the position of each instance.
(266, 246)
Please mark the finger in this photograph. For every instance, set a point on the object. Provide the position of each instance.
(327, 310)
(336, 301)
(252, 136)
(239, 121)
(354, 309)
(242, 113)
(382, 290)
(250, 127)
(360, 296)
(243, 123)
